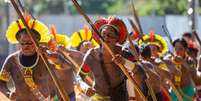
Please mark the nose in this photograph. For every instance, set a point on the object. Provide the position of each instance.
(105, 36)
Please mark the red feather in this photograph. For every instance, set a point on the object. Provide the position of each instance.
(86, 68)
(53, 31)
(27, 18)
(152, 38)
(191, 44)
(135, 35)
(86, 30)
(18, 24)
(52, 43)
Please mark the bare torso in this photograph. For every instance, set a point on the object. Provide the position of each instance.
(114, 73)
(40, 76)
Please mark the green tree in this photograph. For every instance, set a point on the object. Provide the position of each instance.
(119, 7)
(162, 7)
(122, 7)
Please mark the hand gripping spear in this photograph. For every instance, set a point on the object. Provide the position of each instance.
(121, 66)
(52, 73)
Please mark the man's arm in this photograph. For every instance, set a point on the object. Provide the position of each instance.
(5, 77)
(73, 57)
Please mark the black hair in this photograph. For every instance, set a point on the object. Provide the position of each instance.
(24, 31)
(111, 26)
(187, 34)
(146, 52)
(182, 41)
(158, 47)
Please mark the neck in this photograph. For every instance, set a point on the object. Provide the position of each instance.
(28, 60)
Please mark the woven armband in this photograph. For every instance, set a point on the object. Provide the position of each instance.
(85, 69)
(5, 76)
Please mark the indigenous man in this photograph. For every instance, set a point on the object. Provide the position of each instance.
(82, 41)
(153, 75)
(110, 83)
(157, 47)
(31, 78)
(192, 60)
(183, 83)
(63, 67)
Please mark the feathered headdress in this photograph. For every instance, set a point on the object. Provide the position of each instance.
(60, 39)
(33, 24)
(157, 40)
(84, 34)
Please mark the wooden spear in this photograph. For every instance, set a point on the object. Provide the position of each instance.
(136, 18)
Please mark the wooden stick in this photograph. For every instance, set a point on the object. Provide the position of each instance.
(197, 36)
(50, 70)
(136, 29)
(165, 30)
(136, 18)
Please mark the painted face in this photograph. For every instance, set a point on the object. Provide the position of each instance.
(108, 33)
(26, 45)
(179, 49)
(154, 51)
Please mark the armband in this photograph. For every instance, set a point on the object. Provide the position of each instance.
(85, 69)
(5, 76)
(177, 80)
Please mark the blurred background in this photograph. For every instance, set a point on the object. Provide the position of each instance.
(178, 15)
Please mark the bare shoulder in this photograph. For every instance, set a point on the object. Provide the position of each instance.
(93, 52)
(11, 56)
(10, 59)
(91, 55)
